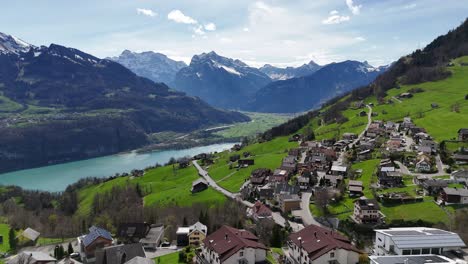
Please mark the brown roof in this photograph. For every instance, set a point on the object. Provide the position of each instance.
(261, 210)
(317, 241)
(227, 240)
(355, 183)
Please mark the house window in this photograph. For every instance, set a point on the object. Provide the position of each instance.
(332, 254)
(416, 252)
(435, 251)
(426, 251)
(241, 253)
(406, 252)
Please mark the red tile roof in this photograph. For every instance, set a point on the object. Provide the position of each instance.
(226, 241)
(317, 241)
(261, 210)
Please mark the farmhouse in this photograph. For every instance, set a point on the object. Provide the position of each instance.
(132, 232)
(119, 253)
(460, 176)
(316, 245)
(433, 186)
(355, 188)
(259, 176)
(231, 245)
(390, 178)
(454, 195)
(289, 202)
(461, 158)
(424, 164)
(153, 238)
(415, 241)
(279, 176)
(32, 257)
(259, 211)
(97, 238)
(245, 162)
(338, 170)
(30, 235)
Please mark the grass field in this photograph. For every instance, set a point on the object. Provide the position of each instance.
(162, 186)
(266, 155)
(172, 258)
(4, 230)
(260, 123)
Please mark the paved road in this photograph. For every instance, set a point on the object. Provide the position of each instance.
(275, 216)
(440, 169)
(305, 212)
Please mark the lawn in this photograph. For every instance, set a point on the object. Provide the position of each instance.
(172, 258)
(427, 210)
(162, 186)
(260, 123)
(270, 258)
(4, 230)
(266, 155)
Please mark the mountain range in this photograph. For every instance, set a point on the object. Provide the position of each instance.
(281, 74)
(58, 103)
(154, 66)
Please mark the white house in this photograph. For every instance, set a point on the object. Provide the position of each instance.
(415, 241)
(317, 245)
(229, 245)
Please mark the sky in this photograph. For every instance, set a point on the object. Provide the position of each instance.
(278, 32)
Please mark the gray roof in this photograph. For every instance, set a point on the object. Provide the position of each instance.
(27, 257)
(201, 180)
(460, 174)
(411, 259)
(31, 234)
(422, 237)
(153, 236)
(140, 260)
(115, 254)
(456, 191)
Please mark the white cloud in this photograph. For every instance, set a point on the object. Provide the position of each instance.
(409, 6)
(210, 27)
(199, 30)
(179, 17)
(354, 8)
(333, 12)
(335, 19)
(146, 12)
(360, 39)
(246, 29)
(225, 40)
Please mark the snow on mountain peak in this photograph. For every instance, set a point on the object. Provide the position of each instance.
(12, 44)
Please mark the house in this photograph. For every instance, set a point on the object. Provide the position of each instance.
(197, 233)
(454, 195)
(295, 137)
(430, 144)
(279, 176)
(366, 211)
(132, 232)
(415, 241)
(140, 260)
(317, 245)
(289, 164)
(362, 113)
(199, 185)
(245, 162)
(182, 236)
(390, 178)
(234, 158)
(68, 260)
(463, 134)
(355, 188)
(333, 180)
(433, 186)
(394, 144)
(152, 240)
(318, 161)
(231, 245)
(349, 136)
(266, 192)
(97, 238)
(461, 159)
(460, 176)
(30, 234)
(364, 155)
(405, 95)
(419, 259)
(338, 170)
(259, 176)
(259, 211)
(424, 164)
(303, 182)
(32, 257)
(236, 147)
(119, 254)
(289, 202)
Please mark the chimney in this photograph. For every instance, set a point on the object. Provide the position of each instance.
(315, 234)
(226, 236)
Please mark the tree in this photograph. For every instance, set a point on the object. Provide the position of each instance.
(12, 239)
(184, 221)
(70, 249)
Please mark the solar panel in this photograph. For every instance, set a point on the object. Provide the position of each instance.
(403, 233)
(437, 232)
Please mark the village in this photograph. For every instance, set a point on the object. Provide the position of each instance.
(315, 174)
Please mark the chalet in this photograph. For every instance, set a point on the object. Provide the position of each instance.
(289, 202)
(119, 253)
(414, 131)
(355, 188)
(333, 180)
(386, 163)
(97, 238)
(433, 186)
(152, 240)
(318, 161)
(303, 182)
(294, 152)
(266, 192)
(138, 260)
(234, 158)
(364, 155)
(340, 145)
(460, 176)
(423, 164)
(245, 162)
(394, 144)
(366, 145)
(279, 176)
(461, 159)
(375, 128)
(199, 185)
(246, 154)
(391, 126)
(259, 211)
(202, 156)
(132, 232)
(366, 211)
(197, 233)
(184, 162)
(289, 164)
(338, 170)
(463, 134)
(363, 113)
(317, 245)
(429, 143)
(295, 137)
(182, 236)
(359, 104)
(231, 245)
(259, 176)
(390, 178)
(454, 195)
(349, 136)
(32, 257)
(415, 241)
(405, 95)
(30, 235)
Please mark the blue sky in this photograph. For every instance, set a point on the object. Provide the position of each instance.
(280, 32)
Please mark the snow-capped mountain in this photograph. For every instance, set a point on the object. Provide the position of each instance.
(220, 81)
(276, 73)
(154, 66)
(307, 92)
(12, 44)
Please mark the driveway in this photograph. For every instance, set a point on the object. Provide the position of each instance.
(305, 212)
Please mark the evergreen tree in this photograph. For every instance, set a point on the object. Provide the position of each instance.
(70, 249)
(12, 239)
(185, 223)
